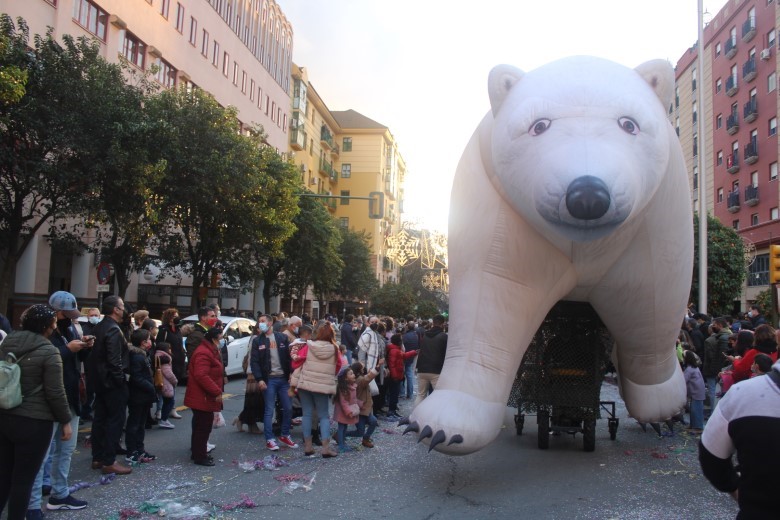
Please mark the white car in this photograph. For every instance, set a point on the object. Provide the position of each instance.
(237, 333)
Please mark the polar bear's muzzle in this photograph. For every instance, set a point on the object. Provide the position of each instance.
(587, 198)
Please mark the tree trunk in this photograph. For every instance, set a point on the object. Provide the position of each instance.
(6, 275)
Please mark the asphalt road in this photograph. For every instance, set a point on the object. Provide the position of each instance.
(637, 476)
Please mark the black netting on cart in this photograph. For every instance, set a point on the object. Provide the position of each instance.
(565, 363)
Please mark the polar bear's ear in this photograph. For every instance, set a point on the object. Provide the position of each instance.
(500, 81)
(659, 74)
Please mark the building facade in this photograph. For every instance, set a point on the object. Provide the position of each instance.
(740, 99)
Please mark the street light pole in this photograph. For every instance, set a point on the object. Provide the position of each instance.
(702, 154)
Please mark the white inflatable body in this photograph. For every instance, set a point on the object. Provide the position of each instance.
(572, 188)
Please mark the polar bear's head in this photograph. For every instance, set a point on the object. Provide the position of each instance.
(580, 146)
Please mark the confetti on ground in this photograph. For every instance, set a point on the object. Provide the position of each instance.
(244, 503)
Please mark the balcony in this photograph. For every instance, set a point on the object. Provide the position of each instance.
(732, 87)
(748, 29)
(731, 47)
(693, 85)
(751, 153)
(732, 163)
(297, 139)
(751, 111)
(732, 124)
(326, 138)
(751, 195)
(327, 169)
(749, 70)
(733, 201)
(335, 150)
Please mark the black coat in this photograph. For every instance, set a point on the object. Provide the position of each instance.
(71, 364)
(260, 360)
(142, 390)
(109, 358)
(174, 337)
(433, 349)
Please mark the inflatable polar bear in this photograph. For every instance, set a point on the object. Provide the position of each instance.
(573, 187)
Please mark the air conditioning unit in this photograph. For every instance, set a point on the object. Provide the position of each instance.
(765, 54)
(314, 181)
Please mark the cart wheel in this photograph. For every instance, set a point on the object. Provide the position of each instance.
(613, 426)
(589, 434)
(519, 422)
(543, 420)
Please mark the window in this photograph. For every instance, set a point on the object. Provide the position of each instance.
(215, 54)
(344, 201)
(770, 39)
(284, 123)
(164, 7)
(735, 224)
(773, 214)
(204, 44)
(773, 126)
(719, 121)
(273, 111)
(754, 179)
(166, 74)
(134, 50)
(771, 82)
(758, 272)
(754, 219)
(251, 90)
(235, 73)
(279, 117)
(720, 195)
(259, 98)
(773, 171)
(193, 31)
(91, 17)
(718, 85)
(179, 17)
(720, 157)
(225, 64)
(346, 171)
(344, 222)
(346, 145)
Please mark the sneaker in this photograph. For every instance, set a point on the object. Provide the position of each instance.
(210, 447)
(287, 441)
(147, 457)
(174, 415)
(271, 445)
(208, 461)
(67, 503)
(133, 458)
(367, 443)
(166, 425)
(34, 514)
(157, 415)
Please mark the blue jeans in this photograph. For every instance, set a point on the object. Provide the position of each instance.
(697, 413)
(363, 421)
(711, 383)
(349, 356)
(409, 380)
(277, 388)
(167, 407)
(60, 453)
(309, 402)
(340, 434)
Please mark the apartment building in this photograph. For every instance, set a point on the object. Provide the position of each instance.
(740, 107)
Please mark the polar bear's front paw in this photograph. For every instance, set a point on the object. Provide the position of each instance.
(454, 422)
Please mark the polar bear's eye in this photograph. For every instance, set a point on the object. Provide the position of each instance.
(628, 125)
(539, 126)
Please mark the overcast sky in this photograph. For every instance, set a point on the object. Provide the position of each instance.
(420, 67)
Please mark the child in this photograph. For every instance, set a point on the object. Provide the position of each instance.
(762, 364)
(363, 394)
(142, 395)
(694, 383)
(395, 362)
(163, 359)
(343, 352)
(346, 404)
(298, 350)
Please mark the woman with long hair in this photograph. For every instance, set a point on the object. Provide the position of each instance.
(764, 342)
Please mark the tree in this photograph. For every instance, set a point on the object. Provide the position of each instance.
(12, 78)
(225, 194)
(393, 299)
(42, 136)
(357, 280)
(725, 266)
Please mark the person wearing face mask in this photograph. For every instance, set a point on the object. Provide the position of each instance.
(171, 333)
(93, 318)
(207, 318)
(755, 316)
(106, 366)
(26, 430)
(292, 331)
(348, 338)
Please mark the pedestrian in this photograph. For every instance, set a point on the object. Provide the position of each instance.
(171, 334)
(764, 342)
(411, 339)
(348, 337)
(26, 430)
(204, 392)
(396, 357)
(430, 358)
(164, 360)
(346, 406)
(142, 395)
(366, 420)
(694, 383)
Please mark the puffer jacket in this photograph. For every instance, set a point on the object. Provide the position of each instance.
(396, 360)
(42, 384)
(433, 350)
(318, 373)
(166, 367)
(205, 381)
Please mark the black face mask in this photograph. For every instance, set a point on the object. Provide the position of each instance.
(176, 320)
(374, 326)
(63, 324)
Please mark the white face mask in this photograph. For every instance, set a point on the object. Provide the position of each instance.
(94, 320)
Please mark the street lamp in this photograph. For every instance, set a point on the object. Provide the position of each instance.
(702, 162)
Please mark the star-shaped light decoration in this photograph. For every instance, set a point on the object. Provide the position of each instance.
(432, 280)
(402, 248)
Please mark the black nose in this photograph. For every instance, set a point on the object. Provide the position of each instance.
(587, 198)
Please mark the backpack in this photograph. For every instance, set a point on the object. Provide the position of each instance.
(10, 387)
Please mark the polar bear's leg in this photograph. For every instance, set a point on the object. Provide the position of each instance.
(504, 278)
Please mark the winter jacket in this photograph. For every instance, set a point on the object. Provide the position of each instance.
(174, 338)
(141, 384)
(742, 366)
(363, 392)
(396, 359)
(411, 341)
(71, 363)
(43, 392)
(109, 358)
(169, 378)
(433, 349)
(205, 379)
(260, 358)
(694, 383)
(194, 339)
(348, 338)
(714, 348)
(318, 372)
(345, 405)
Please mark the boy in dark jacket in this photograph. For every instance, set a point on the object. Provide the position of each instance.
(395, 363)
(142, 395)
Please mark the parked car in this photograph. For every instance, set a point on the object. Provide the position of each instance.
(238, 331)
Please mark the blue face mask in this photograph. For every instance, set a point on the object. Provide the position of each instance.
(94, 320)
(263, 327)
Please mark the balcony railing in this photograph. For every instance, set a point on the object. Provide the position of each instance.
(732, 87)
(732, 162)
(732, 124)
(297, 139)
(749, 70)
(748, 29)
(751, 153)
(751, 195)
(695, 117)
(751, 111)
(335, 150)
(733, 201)
(731, 47)
(327, 168)
(326, 138)
(693, 85)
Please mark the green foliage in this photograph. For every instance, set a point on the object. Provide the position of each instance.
(725, 266)
(357, 280)
(764, 300)
(393, 299)
(12, 77)
(426, 309)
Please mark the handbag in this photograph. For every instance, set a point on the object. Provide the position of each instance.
(158, 375)
(374, 388)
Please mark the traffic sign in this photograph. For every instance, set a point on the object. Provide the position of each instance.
(103, 287)
(103, 273)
